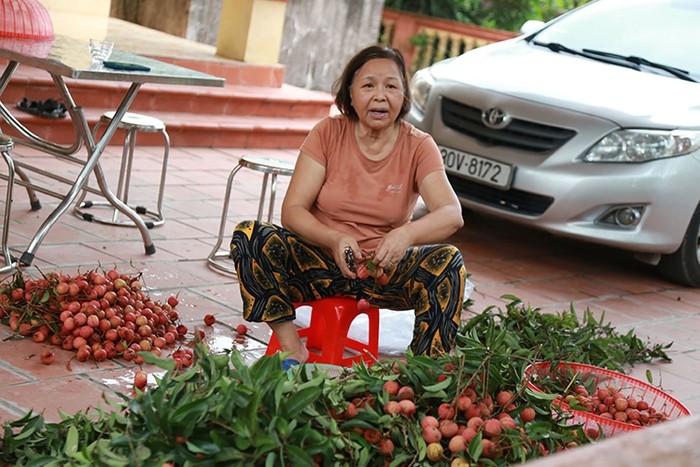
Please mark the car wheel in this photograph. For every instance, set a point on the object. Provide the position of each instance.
(683, 266)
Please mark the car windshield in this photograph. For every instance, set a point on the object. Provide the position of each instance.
(659, 31)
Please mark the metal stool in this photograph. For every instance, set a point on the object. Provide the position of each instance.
(132, 123)
(6, 145)
(267, 166)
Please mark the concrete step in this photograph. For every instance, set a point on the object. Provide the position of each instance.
(234, 72)
(238, 115)
(188, 130)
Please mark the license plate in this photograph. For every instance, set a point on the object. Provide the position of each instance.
(477, 168)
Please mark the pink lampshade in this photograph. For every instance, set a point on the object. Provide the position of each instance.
(25, 19)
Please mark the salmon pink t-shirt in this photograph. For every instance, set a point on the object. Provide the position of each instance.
(367, 198)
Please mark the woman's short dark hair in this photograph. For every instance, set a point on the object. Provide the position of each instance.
(341, 88)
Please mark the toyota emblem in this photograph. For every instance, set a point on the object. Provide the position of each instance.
(495, 118)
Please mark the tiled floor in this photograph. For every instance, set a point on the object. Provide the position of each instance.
(544, 271)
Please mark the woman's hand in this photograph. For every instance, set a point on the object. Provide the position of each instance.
(347, 255)
(392, 249)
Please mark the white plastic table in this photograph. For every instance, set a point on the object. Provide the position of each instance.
(65, 57)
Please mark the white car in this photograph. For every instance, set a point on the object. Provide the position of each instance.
(588, 128)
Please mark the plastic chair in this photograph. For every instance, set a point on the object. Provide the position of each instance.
(221, 260)
(327, 334)
(132, 123)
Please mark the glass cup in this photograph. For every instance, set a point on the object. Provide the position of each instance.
(100, 51)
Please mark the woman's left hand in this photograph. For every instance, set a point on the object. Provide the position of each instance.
(391, 249)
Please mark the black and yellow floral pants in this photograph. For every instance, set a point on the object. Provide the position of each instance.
(277, 269)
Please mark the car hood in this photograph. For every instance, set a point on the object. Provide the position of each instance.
(625, 96)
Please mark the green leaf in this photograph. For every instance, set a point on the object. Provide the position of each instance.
(46, 461)
(315, 382)
(541, 395)
(153, 359)
(106, 455)
(371, 267)
(475, 447)
(357, 422)
(26, 433)
(439, 386)
(441, 395)
(242, 441)
(401, 460)
(514, 300)
(71, 446)
(299, 401)
(203, 447)
(190, 411)
(45, 297)
(283, 387)
(297, 456)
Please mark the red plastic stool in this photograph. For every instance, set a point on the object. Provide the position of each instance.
(328, 332)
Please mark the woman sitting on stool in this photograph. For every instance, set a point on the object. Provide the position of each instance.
(348, 208)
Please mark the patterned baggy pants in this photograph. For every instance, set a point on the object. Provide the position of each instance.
(277, 269)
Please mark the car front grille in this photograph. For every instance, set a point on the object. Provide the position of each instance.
(512, 200)
(519, 134)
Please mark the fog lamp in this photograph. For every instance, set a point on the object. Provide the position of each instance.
(628, 216)
(623, 216)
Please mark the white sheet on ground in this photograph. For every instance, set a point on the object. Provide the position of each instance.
(395, 327)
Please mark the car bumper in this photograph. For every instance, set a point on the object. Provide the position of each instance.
(581, 195)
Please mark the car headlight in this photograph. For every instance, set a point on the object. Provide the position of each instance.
(643, 145)
(420, 88)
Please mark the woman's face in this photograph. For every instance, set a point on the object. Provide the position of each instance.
(377, 93)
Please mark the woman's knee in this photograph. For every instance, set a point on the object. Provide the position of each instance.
(248, 230)
(456, 254)
(444, 259)
(243, 233)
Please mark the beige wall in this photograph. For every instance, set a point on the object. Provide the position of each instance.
(153, 15)
(251, 30)
(195, 20)
(87, 7)
(83, 19)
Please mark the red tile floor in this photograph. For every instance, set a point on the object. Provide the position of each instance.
(544, 271)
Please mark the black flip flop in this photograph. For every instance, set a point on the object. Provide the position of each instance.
(50, 108)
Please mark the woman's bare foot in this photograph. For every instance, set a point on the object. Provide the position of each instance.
(289, 341)
(301, 355)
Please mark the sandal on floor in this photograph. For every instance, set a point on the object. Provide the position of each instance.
(288, 363)
(50, 108)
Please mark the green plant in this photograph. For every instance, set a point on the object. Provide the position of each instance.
(563, 336)
(220, 411)
(508, 15)
(419, 40)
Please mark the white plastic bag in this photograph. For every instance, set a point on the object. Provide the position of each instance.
(395, 327)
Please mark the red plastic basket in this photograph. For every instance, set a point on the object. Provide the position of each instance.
(628, 386)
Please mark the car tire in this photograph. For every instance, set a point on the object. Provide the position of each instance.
(683, 266)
